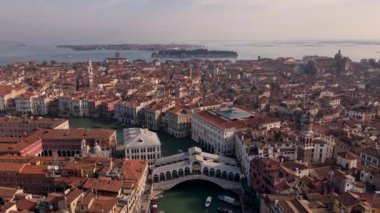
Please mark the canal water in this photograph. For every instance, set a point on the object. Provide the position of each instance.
(187, 197)
(190, 197)
(169, 144)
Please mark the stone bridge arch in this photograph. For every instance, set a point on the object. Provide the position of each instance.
(223, 183)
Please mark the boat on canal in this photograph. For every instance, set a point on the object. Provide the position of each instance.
(208, 201)
(154, 208)
(229, 200)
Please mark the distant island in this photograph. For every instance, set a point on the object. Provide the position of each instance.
(147, 47)
(194, 53)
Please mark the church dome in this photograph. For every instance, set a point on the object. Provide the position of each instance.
(339, 55)
(97, 148)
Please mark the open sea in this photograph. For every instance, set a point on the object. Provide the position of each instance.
(11, 52)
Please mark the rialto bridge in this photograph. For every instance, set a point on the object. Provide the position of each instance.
(196, 165)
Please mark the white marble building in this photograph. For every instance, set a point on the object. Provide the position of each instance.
(142, 144)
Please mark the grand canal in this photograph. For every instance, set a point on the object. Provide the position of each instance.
(170, 145)
(187, 197)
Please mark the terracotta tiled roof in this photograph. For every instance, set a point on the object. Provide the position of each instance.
(73, 195)
(7, 192)
(106, 185)
(50, 122)
(4, 90)
(34, 169)
(102, 204)
(11, 167)
(134, 169)
(74, 182)
(348, 155)
(25, 205)
(226, 124)
(348, 199)
(74, 133)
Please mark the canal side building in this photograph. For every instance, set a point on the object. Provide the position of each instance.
(142, 144)
(179, 122)
(179, 118)
(215, 129)
(252, 143)
(18, 127)
(77, 142)
(7, 94)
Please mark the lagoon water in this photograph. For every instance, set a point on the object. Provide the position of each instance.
(11, 52)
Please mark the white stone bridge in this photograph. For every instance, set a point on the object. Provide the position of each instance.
(196, 165)
(225, 184)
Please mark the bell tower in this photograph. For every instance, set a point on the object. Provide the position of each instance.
(305, 143)
(90, 72)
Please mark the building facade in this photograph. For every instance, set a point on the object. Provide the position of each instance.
(215, 129)
(179, 122)
(142, 144)
(18, 127)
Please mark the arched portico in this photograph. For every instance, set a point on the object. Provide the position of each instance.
(224, 175)
(212, 172)
(162, 177)
(218, 173)
(196, 167)
(230, 176)
(225, 184)
(168, 175)
(156, 178)
(205, 171)
(181, 172)
(187, 171)
(174, 174)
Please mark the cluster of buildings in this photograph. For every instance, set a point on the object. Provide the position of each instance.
(304, 133)
(45, 166)
(61, 184)
(32, 136)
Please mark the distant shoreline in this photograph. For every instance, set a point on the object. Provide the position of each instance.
(195, 53)
(144, 47)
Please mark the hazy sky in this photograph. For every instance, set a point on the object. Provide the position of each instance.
(185, 20)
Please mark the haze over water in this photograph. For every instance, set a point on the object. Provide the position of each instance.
(12, 52)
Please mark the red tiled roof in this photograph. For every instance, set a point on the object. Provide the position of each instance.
(102, 204)
(11, 167)
(134, 169)
(74, 133)
(34, 169)
(348, 155)
(7, 192)
(226, 124)
(106, 185)
(24, 204)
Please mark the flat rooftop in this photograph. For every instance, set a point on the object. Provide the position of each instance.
(232, 113)
(51, 122)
